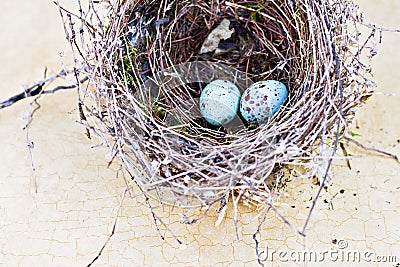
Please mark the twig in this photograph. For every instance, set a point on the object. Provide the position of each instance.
(154, 215)
(286, 221)
(30, 144)
(37, 89)
(393, 156)
(256, 240)
(346, 155)
(379, 28)
(113, 229)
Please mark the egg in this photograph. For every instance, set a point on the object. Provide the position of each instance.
(262, 99)
(219, 102)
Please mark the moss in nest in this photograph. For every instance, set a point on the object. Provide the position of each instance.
(126, 67)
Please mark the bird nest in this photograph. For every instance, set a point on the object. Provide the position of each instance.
(149, 60)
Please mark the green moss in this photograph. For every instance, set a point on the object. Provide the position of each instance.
(127, 66)
(355, 134)
(186, 131)
(255, 15)
(159, 110)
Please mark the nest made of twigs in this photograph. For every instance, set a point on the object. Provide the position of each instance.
(131, 55)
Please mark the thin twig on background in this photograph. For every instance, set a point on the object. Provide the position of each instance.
(371, 149)
(38, 88)
(117, 214)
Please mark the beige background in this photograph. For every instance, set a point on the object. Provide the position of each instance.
(68, 220)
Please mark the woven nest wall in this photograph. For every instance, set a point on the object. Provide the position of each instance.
(147, 70)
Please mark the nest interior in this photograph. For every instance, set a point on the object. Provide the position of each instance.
(314, 47)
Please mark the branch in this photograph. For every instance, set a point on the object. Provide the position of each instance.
(393, 156)
(37, 88)
(113, 228)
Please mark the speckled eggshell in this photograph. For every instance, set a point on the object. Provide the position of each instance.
(262, 99)
(219, 102)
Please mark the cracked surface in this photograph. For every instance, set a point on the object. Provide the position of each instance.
(71, 216)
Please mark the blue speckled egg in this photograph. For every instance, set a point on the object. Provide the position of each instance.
(219, 102)
(262, 99)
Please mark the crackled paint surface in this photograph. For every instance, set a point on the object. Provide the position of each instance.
(67, 221)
